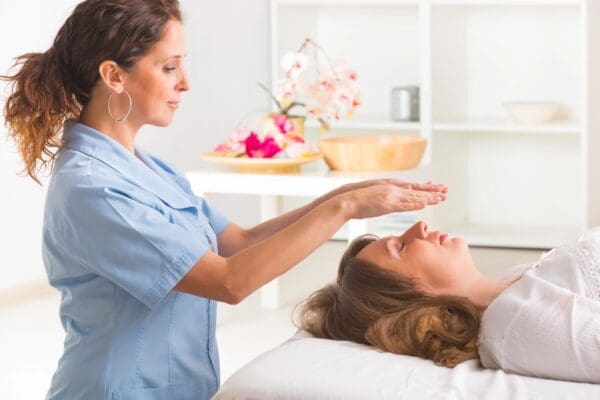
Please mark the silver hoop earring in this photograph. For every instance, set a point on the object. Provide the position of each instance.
(124, 117)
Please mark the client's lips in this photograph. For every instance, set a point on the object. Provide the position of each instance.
(443, 237)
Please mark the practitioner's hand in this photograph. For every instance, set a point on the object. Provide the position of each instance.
(388, 197)
(426, 187)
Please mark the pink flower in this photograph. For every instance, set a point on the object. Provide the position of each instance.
(298, 150)
(221, 148)
(294, 63)
(327, 84)
(238, 147)
(230, 149)
(283, 123)
(257, 149)
(329, 94)
(342, 69)
(241, 134)
(287, 89)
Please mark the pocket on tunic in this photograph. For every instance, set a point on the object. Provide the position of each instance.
(174, 392)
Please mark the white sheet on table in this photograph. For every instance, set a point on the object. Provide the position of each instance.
(308, 368)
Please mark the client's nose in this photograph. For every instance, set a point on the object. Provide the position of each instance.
(418, 230)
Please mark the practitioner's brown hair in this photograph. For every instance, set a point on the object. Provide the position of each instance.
(375, 306)
(55, 85)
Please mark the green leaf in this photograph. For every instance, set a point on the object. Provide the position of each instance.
(266, 89)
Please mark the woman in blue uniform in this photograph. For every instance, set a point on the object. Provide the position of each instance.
(138, 258)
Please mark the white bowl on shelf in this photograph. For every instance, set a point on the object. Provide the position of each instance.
(531, 112)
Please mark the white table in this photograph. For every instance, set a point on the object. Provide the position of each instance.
(314, 180)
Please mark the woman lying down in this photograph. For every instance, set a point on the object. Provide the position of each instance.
(420, 294)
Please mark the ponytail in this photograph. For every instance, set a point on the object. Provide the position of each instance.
(37, 108)
(56, 85)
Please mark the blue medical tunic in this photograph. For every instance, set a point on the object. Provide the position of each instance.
(120, 230)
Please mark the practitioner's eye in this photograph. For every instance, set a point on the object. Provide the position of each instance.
(402, 247)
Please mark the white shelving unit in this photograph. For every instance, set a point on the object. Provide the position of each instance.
(511, 185)
(503, 126)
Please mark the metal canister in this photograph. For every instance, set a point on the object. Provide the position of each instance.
(405, 103)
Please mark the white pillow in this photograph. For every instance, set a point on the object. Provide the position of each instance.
(305, 367)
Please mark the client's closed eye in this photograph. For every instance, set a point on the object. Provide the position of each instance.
(395, 246)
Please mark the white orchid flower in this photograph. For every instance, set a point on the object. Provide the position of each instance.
(294, 63)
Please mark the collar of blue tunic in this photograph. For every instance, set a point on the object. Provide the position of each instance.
(147, 172)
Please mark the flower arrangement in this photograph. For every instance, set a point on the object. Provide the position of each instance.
(333, 94)
(281, 141)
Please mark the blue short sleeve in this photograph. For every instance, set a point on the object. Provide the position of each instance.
(216, 219)
(131, 239)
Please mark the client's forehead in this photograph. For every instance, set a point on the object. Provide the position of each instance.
(372, 249)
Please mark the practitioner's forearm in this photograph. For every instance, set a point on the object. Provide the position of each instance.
(274, 225)
(265, 260)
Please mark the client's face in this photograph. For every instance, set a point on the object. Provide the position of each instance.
(438, 263)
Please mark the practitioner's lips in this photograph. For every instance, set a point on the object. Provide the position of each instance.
(443, 237)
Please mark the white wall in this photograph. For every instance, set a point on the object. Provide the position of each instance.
(227, 54)
(24, 26)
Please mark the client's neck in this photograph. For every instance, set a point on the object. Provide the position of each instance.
(482, 291)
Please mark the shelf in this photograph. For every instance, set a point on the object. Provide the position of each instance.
(468, 57)
(538, 58)
(507, 126)
(506, 2)
(374, 122)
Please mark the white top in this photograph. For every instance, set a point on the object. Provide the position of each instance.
(547, 324)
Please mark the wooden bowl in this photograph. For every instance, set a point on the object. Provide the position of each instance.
(372, 153)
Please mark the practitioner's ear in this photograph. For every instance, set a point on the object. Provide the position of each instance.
(112, 76)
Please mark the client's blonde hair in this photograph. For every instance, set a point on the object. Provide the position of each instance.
(375, 306)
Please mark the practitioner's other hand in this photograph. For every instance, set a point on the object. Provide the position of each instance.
(426, 187)
(375, 198)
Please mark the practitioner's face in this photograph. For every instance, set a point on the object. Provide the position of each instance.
(158, 78)
(437, 263)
